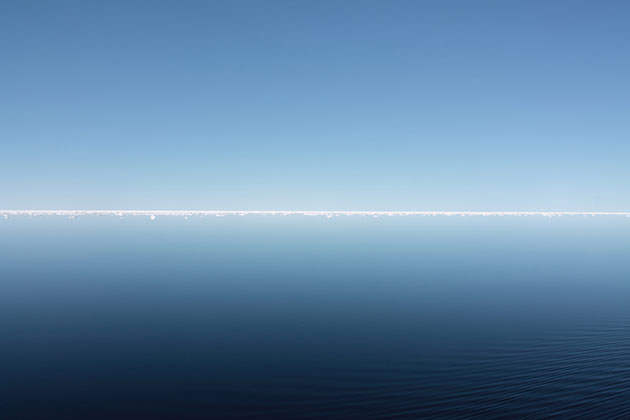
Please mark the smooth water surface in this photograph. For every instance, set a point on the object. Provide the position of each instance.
(304, 317)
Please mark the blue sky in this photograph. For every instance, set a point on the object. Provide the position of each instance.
(358, 105)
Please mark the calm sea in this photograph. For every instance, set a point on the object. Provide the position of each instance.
(304, 317)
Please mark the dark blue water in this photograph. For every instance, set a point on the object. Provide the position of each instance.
(298, 317)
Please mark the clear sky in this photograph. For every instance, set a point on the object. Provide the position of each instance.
(357, 105)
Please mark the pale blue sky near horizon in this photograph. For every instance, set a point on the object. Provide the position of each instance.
(354, 105)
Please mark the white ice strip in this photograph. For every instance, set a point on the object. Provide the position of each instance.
(325, 213)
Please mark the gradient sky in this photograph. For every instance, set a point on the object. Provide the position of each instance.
(357, 105)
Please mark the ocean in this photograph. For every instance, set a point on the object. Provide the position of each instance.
(295, 317)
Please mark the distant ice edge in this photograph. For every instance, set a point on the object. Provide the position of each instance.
(152, 214)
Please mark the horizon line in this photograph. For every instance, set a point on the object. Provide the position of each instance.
(328, 213)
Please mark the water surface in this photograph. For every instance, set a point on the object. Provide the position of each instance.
(305, 317)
